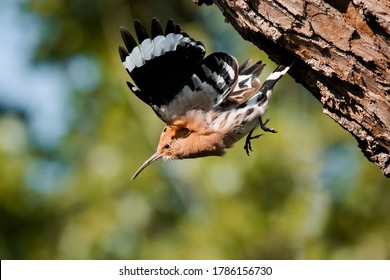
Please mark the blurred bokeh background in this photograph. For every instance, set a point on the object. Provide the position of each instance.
(72, 134)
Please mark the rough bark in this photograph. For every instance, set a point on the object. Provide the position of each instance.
(343, 58)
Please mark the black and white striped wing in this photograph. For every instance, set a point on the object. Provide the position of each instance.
(216, 76)
(219, 77)
(159, 65)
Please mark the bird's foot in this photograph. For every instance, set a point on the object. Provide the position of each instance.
(263, 125)
(248, 145)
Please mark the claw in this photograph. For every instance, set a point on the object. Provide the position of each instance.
(249, 137)
(263, 125)
(248, 144)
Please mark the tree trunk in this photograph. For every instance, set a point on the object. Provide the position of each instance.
(342, 49)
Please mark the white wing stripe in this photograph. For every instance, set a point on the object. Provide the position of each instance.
(207, 71)
(168, 42)
(138, 57)
(159, 43)
(129, 63)
(197, 82)
(228, 68)
(147, 47)
(171, 41)
(219, 80)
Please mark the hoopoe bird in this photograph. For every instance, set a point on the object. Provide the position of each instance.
(207, 104)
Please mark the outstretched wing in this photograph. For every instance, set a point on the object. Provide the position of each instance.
(159, 65)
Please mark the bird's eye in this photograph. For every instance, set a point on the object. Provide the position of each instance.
(167, 146)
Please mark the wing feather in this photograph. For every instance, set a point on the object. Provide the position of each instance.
(160, 65)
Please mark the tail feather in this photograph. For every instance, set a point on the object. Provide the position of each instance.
(265, 91)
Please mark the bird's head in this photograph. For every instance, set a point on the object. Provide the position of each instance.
(172, 146)
(178, 142)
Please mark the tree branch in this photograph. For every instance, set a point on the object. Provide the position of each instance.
(343, 52)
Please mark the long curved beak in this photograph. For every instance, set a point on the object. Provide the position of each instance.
(154, 157)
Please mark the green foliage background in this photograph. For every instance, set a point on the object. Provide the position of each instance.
(306, 192)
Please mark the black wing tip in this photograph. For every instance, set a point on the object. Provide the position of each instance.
(121, 28)
(156, 28)
(171, 21)
(142, 34)
(127, 38)
(170, 27)
(123, 53)
(137, 22)
(140, 30)
(178, 29)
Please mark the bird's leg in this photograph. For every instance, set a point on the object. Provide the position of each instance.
(249, 137)
(263, 125)
(248, 145)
